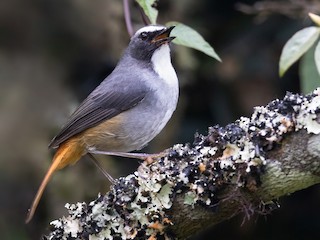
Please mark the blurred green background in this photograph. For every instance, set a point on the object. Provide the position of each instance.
(54, 52)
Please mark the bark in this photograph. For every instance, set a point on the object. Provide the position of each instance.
(242, 167)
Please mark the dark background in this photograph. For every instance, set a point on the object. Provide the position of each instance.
(54, 52)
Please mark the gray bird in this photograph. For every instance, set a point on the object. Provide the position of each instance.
(126, 111)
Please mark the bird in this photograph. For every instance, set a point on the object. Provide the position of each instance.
(126, 111)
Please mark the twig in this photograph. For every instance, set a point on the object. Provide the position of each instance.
(127, 17)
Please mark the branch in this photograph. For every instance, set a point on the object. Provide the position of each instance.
(242, 167)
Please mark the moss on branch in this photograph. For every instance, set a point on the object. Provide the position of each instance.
(242, 167)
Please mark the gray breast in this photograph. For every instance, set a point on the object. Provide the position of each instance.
(149, 117)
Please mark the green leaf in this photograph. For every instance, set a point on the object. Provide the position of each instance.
(309, 76)
(296, 46)
(188, 37)
(151, 12)
(317, 56)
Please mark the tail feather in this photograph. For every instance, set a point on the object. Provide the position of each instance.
(67, 153)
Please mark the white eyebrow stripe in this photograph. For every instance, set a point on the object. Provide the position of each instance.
(150, 28)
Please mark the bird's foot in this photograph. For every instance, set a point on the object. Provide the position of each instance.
(98, 165)
(149, 158)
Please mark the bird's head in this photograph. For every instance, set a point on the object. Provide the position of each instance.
(148, 39)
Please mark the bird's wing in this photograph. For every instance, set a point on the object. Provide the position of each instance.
(105, 102)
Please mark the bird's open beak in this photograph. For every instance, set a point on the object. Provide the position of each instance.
(163, 36)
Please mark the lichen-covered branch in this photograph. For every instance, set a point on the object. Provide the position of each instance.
(242, 167)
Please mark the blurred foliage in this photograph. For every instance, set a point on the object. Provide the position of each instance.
(309, 74)
(300, 43)
(296, 46)
(53, 53)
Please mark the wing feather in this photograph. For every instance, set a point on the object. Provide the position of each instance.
(106, 101)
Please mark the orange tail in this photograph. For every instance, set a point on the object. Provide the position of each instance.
(68, 153)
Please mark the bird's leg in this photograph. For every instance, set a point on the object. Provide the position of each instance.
(104, 172)
(141, 156)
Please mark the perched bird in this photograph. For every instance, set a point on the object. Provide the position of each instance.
(126, 111)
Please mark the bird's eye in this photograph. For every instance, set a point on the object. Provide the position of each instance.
(143, 35)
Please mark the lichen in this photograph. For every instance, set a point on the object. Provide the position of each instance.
(136, 207)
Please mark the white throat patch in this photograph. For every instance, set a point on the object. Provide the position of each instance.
(161, 62)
